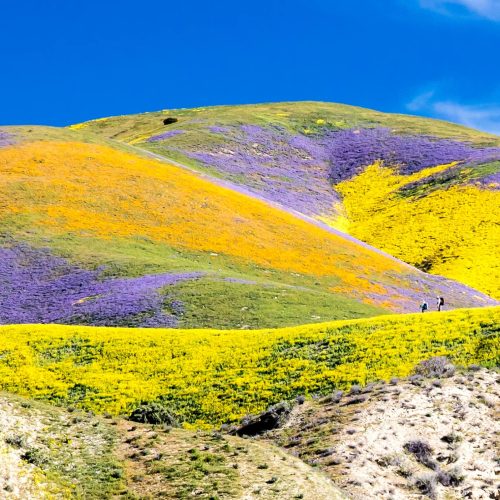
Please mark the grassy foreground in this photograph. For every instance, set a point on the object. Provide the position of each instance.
(207, 377)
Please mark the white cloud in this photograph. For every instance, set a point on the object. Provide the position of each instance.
(489, 9)
(421, 101)
(479, 116)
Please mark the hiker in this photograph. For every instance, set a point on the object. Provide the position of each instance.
(423, 306)
(439, 303)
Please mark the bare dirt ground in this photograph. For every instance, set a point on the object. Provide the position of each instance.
(411, 439)
(430, 438)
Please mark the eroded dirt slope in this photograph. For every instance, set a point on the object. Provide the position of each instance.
(422, 437)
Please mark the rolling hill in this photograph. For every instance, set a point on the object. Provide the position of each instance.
(98, 232)
(370, 174)
(162, 392)
(206, 378)
(134, 250)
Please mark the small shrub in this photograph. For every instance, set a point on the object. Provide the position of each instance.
(170, 120)
(334, 461)
(438, 366)
(416, 379)
(153, 413)
(16, 441)
(422, 452)
(456, 476)
(384, 461)
(326, 452)
(426, 484)
(337, 396)
(368, 388)
(452, 437)
(451, 478)
(355, 389)
(34, 456)
(403, 470)
(356, 400)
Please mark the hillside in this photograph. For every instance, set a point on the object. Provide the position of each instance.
(50, 452)
(312, 158)
(210, 377)
(437, 443)
(93, 232)
(433, 435)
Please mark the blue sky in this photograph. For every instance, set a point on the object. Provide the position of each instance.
(65, 61)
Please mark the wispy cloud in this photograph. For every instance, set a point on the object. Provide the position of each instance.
(484, 117)
(489, 9)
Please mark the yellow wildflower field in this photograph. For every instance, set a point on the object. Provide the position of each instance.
(207, 377)
(453, 232)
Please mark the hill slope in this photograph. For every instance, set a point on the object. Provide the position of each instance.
(48, 452)
(93, 234)
(210, 377)
(339, 446)
(442, 179)
(418, 438)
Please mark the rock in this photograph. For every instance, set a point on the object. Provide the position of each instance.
(266, 421)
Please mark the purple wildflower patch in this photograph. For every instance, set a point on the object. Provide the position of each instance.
(217, 129)
(491, 181)
(420, 286)
(297, 171)
(38, 287)
(165, 135)
(291, 170)
(350, 151)
(6, 139)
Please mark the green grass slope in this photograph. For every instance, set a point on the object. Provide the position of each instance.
(294, 116)
(48, 452)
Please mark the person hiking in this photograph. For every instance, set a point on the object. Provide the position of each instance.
(423, 306)
(439, 303)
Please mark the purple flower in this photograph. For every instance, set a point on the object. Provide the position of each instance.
(350, 151)
(6, 139)
(165, 135)
(38, 287)
(291, 170)
(297, 171)
(216, 129)
(419, 286)
(491, 181)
